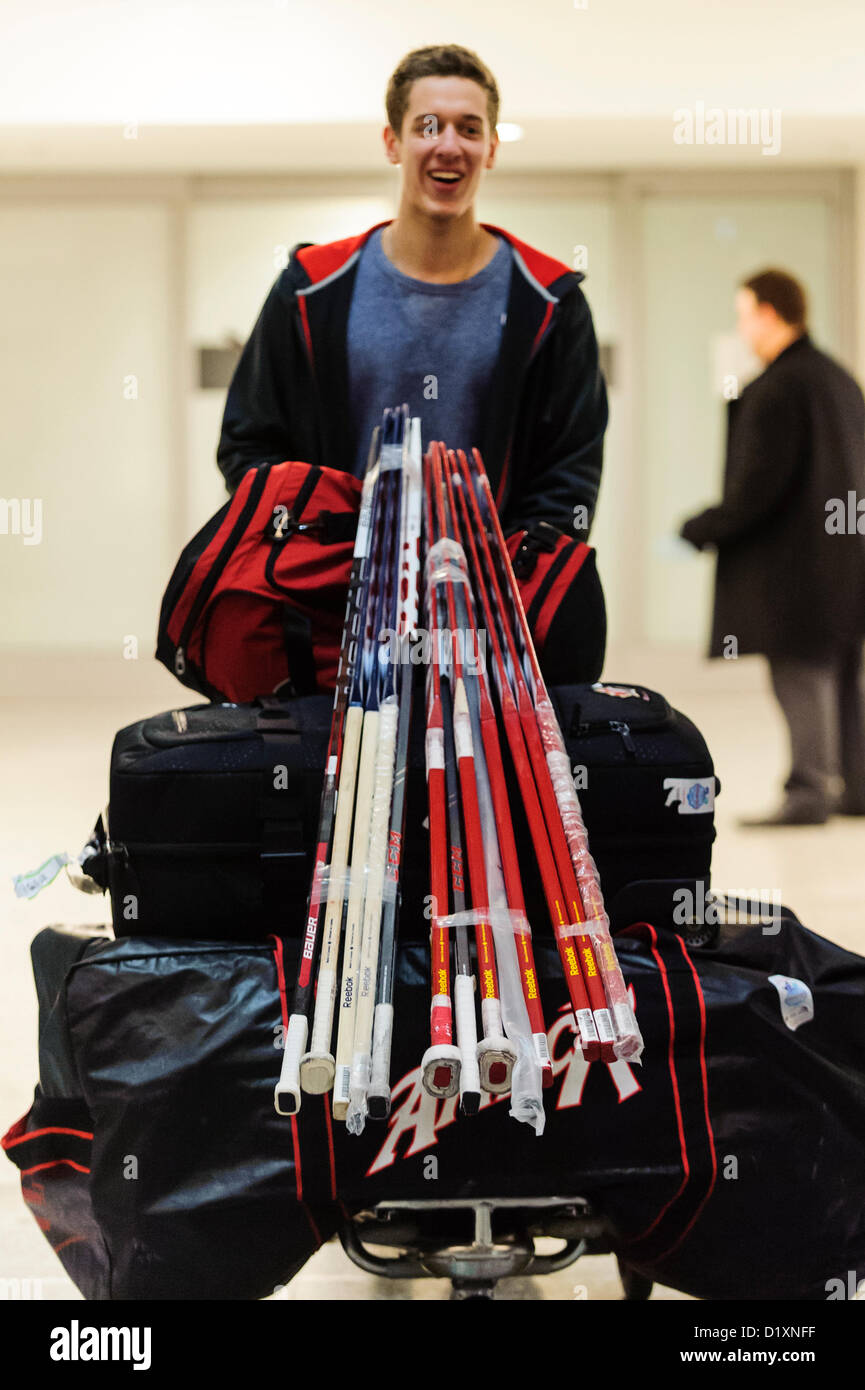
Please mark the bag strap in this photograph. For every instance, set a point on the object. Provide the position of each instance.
(297, 639)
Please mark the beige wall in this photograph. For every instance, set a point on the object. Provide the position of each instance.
(88, 428)
(235, 250)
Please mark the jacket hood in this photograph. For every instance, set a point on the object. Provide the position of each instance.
(322, 263)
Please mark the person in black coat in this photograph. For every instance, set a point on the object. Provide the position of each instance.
(790, 540)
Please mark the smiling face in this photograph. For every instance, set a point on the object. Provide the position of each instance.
(444, 145)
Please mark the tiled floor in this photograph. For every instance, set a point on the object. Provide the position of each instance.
(55, 756)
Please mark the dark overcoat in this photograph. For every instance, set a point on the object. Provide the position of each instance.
(787, 582)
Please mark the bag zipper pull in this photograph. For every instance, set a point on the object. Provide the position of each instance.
(117, 850)
(282, 524)
(624, 731)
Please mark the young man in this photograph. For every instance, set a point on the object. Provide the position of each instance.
(789, 584)
(490, 341)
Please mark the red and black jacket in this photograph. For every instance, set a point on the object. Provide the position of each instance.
(542, 437)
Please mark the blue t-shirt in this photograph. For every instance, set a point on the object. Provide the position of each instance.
(433, 346)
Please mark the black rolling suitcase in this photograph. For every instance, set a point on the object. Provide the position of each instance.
(213, 810)
(727, 1166)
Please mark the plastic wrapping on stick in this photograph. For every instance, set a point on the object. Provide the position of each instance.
(382, 1042)
(628, 1043)
(527, 1104)
(445, 563)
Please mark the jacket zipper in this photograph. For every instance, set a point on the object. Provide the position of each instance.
(536, 347)
(306, 338)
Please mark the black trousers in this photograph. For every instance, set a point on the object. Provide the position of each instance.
(824, 706)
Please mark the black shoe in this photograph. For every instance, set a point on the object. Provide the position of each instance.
(790, 813)
(850, 806)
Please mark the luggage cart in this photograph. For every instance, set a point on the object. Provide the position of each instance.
(476, 1241)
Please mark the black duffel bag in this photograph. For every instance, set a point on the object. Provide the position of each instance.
(728, 1166)
(213, 810)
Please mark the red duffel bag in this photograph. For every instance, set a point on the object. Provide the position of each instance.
(257, 599)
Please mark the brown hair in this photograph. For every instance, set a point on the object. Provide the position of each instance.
(783, 292)
(439, 60)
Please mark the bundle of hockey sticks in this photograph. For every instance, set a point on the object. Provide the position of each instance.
(472, 611)
(354, 898)
(475, 614)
